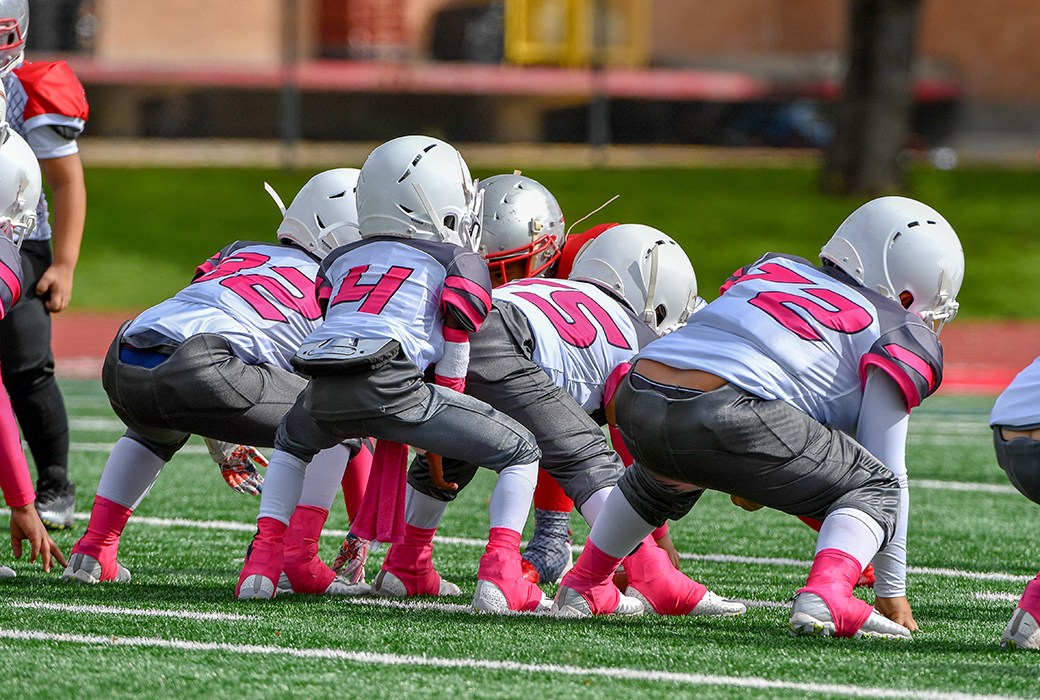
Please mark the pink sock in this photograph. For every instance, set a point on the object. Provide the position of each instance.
(266, 551)
(101, 540)
(592, 577)
(1030, 601)
(668, 590)
(501, 566)
(306, 571)
(411, 560)
(833, 575)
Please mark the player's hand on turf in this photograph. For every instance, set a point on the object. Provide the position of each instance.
(897, 610)
(26, 525)
(665, 543)
(350, 562)
(745, 503)
(239, 470)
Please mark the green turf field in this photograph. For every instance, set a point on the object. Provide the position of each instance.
(175, 629)
(147, 229)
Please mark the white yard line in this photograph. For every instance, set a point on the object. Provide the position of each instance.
(411, 661)
(140, 612)
(998, 597)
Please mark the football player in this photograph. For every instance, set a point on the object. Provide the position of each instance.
(46, 104)
(404, 298)
(1015, 420)
(214, 360)
(20, 187)
(524, 237)
(766, 385)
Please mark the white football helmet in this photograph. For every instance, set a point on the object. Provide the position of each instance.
(419, 187)
(645, 268)
(323, 215)
(897, 246)
(522, 227)
(14, 25)
(20, 187)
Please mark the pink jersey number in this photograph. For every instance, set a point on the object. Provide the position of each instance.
(832, 311)
(376, 295)
(569, 312)
(287, 289)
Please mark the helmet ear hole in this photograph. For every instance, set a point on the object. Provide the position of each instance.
(661, 313)
(449, 221)
(906, 299)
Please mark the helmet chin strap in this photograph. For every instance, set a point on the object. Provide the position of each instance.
(649, 312)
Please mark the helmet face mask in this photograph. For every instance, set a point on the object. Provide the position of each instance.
(904, 250)
(14, 26)
(323, 215)
(522, 228)
(646, 269)
(419, 187)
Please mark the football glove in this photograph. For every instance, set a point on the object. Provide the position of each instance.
(350, 562)
(238, 466)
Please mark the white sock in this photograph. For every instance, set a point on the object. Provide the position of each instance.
(129, 473)
(591, 508)
(511, 499)
(421, 510)
(852, 531)
(618, 527)
(324, 475)
(282, 486)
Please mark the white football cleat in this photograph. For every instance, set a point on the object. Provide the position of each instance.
(1022, 632)
(86, 569)
(570, 603)
(7, 572)
(489, 598)
(257, 587)
(711, 604)
(387, 584)
(810, 616)
(284, 587)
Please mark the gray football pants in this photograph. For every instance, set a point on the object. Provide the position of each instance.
(201, 389)
(502, 374)
(732, 441)
(394, 403)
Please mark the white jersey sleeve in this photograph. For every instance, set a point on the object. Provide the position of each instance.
(1018, 406)
(261, 297)
(581, 333)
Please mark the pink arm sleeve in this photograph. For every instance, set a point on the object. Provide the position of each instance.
(15, 481)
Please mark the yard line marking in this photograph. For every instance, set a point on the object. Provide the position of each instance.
(413, 661)
(998, 597)
(96, 424)
(188, 449)
(577, 549)
(142, 612)
(963, 486)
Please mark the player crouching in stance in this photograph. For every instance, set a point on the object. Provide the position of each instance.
(20, 187)
(404, 298)
(758, 395)
(214, 360)
(1016, 436)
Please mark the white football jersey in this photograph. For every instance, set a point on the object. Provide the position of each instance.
(400, 289)
(1018, 406)
(261, 297)
(785, 329)
(581, 333)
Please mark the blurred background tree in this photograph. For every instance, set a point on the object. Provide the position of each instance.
(873, 116)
